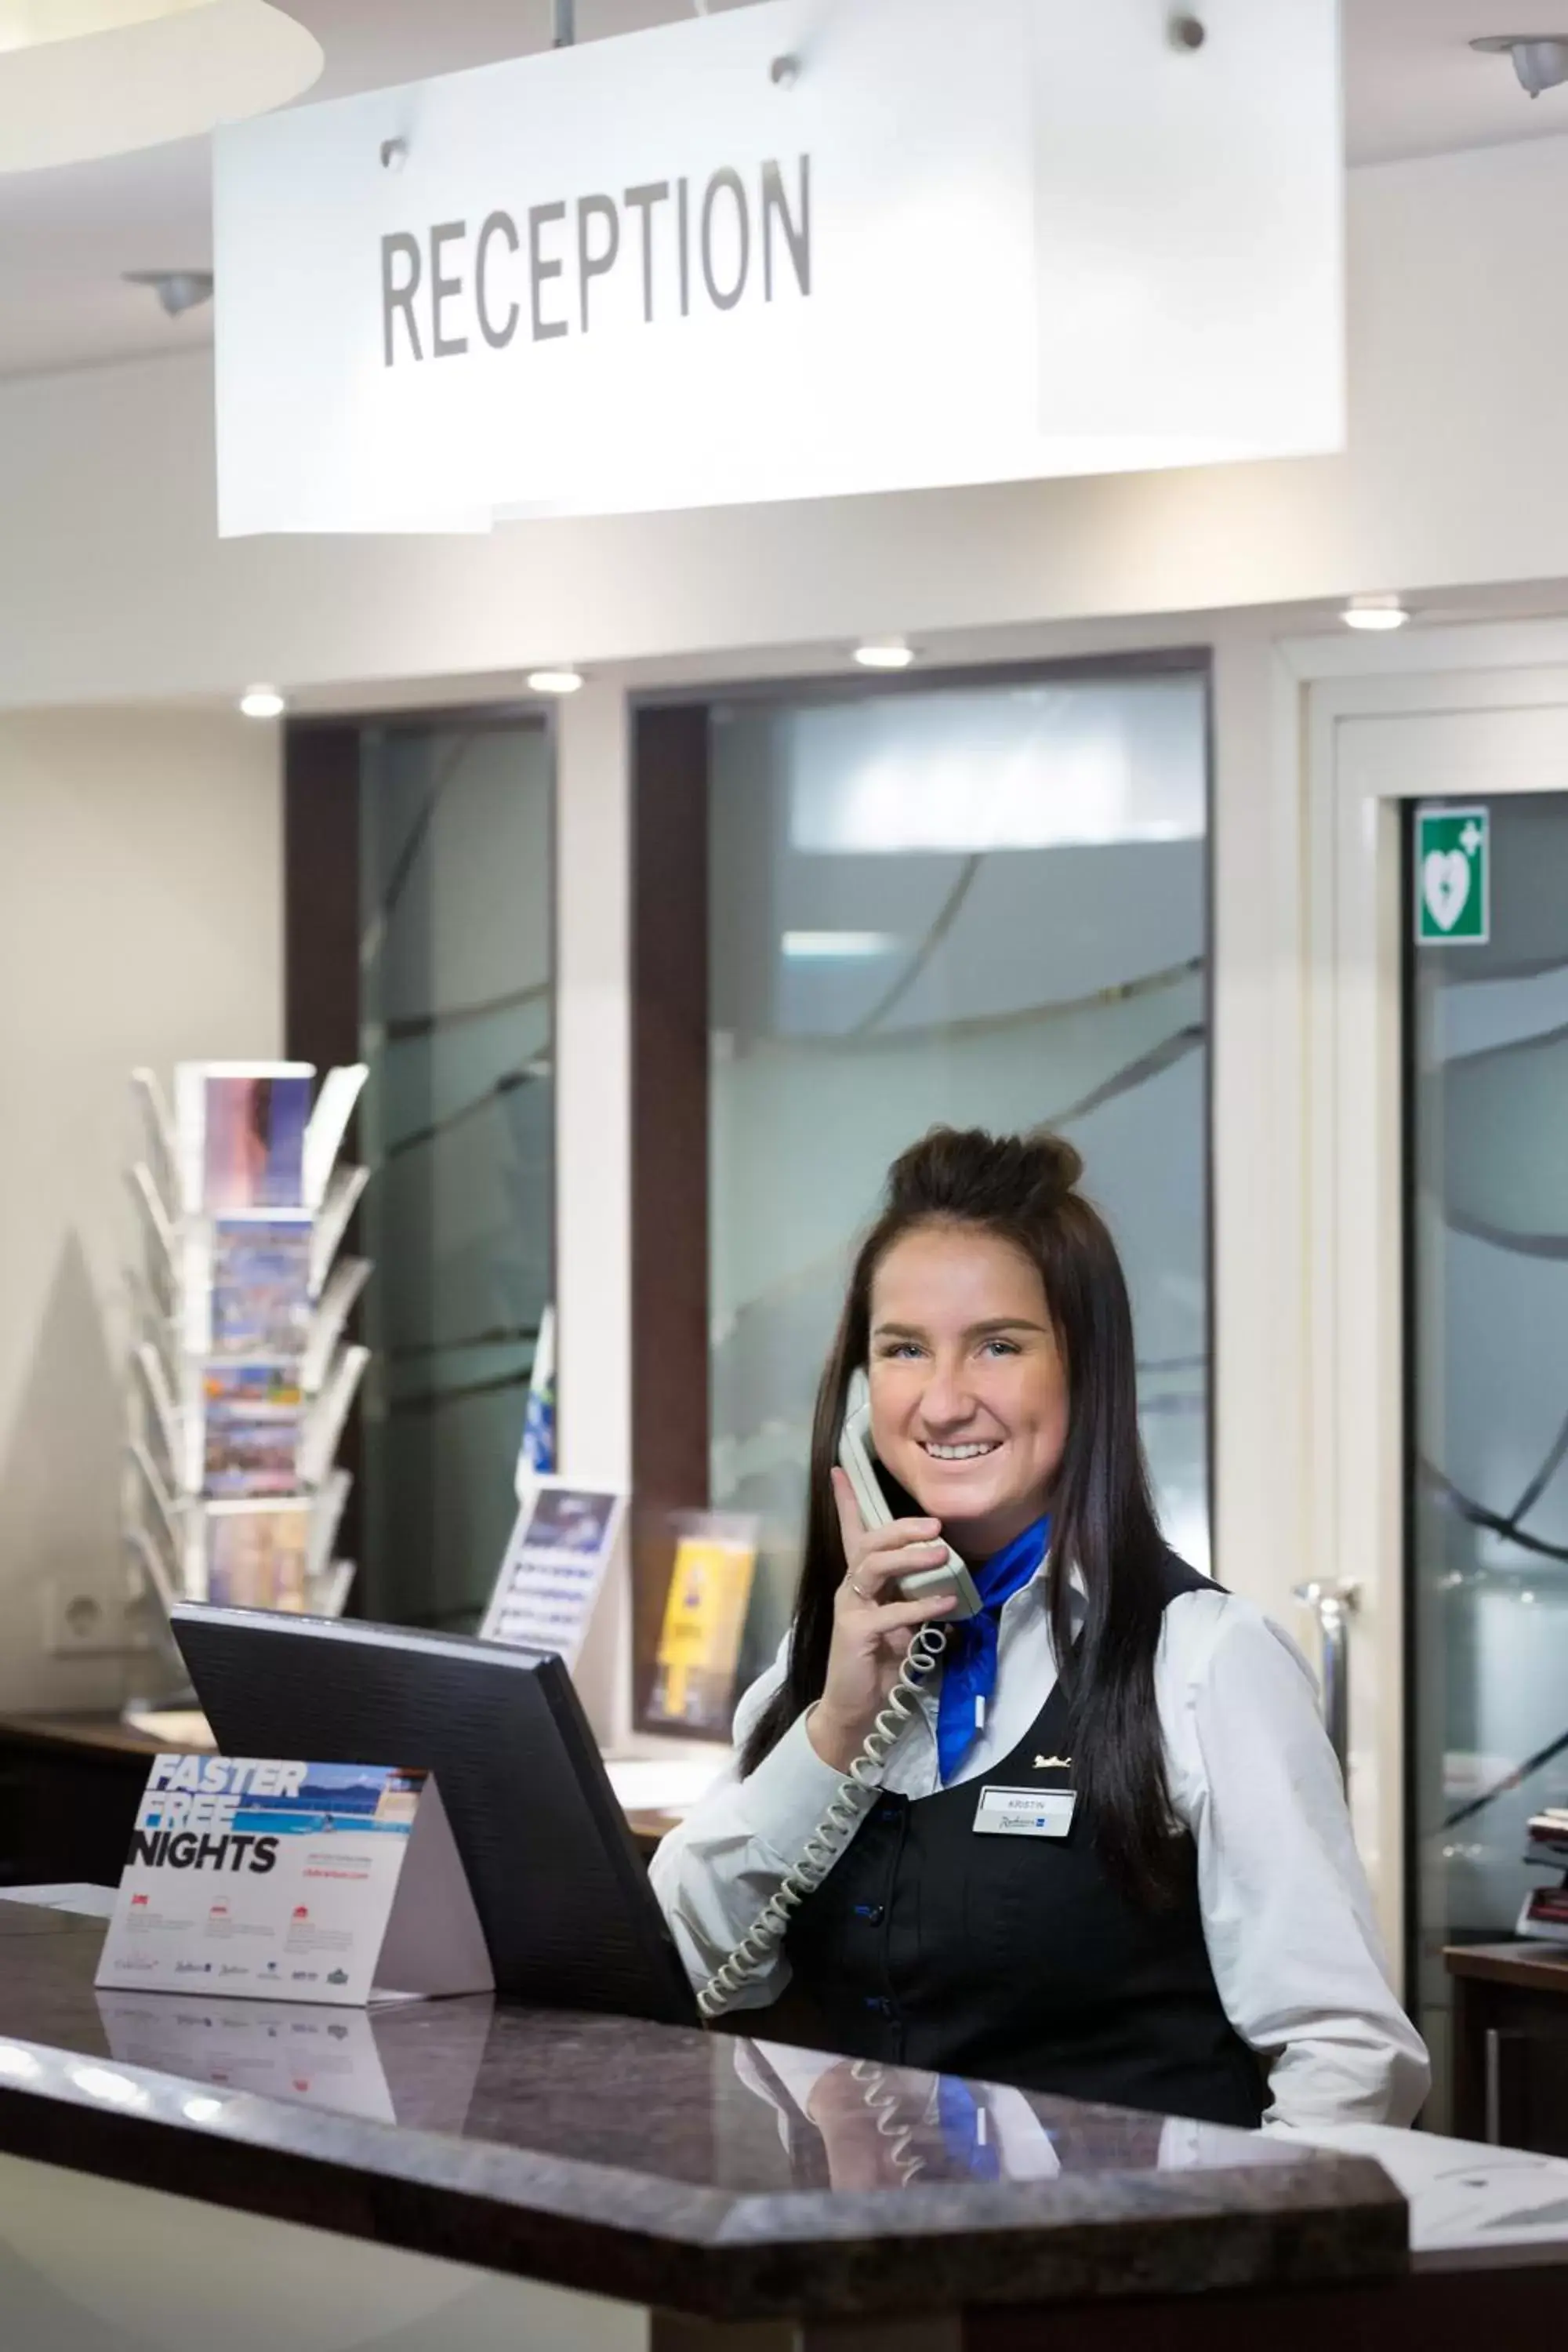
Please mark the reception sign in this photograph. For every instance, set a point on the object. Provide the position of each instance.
(798, 248)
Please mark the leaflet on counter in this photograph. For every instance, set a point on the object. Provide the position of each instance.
(272, 1879)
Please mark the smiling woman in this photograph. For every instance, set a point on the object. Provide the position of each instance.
(1110, 1856)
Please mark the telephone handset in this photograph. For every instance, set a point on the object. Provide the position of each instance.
(858, 1464)
(753, 1955)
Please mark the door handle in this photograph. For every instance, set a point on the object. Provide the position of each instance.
(1333, 1603)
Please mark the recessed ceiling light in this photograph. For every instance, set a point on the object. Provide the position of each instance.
(839, 947)
(554, 681)
(177, 290)
(1375, 612)
(262, 702)
(1540, 61)
(885, 652)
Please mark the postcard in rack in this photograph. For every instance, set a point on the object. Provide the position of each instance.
(253, 1138)
(258, 1555)
(252, 1428)
(260, 1287)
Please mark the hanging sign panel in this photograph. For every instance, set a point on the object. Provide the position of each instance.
(795, 249)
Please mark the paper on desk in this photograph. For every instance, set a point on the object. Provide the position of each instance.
(177, 1727)
(655, 1784)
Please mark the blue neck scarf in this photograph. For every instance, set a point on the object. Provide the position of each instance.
(959, 2113)
(969, 1667)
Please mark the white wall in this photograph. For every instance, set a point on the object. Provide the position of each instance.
(140, 897)
(111, 582)
(112, 586)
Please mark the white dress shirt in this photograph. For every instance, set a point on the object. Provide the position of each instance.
(1287, 1911)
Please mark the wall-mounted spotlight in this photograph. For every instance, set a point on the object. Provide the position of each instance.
(554, 681)
(885, 652)
(1375, 612)
(177, 290)
(262, 702)
(1541, 60)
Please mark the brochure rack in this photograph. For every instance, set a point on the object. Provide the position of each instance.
(241, 1375)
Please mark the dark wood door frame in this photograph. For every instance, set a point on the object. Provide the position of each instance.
(669, 1157)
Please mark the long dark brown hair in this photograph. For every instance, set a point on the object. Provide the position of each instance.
(1024, 1189)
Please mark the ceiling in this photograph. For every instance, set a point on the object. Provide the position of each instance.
(1414, 88)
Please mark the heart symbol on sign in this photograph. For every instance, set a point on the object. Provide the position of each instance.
(1445, 883)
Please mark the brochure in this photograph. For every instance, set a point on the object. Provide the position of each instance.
(260, 1287)
(700, 1647)
(553, 1568)
(536, 1454)
(258, 1555)
(271, 1879)
(251, 1430)
(241, 1130)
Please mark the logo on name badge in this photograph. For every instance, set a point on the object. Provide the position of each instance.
(1025, 1812)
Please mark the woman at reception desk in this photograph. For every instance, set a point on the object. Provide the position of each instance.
(1108, 1855)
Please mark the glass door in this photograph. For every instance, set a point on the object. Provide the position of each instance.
(456, 1018)
(1485, 1070)
(984, 904)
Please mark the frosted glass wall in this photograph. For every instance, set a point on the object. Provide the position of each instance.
(983, 905)
(456, 999)
(1488, 1030)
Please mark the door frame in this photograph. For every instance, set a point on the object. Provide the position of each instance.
(1355, 1259)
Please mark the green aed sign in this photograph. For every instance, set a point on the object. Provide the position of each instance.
(1453, 875)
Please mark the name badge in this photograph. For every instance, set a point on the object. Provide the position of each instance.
(1025, 1812)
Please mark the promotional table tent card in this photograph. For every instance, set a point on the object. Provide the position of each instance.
(286, 1881)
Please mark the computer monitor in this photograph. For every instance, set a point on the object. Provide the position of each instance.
(560, 1887)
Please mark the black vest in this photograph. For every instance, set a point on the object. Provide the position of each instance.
(1018, 1958)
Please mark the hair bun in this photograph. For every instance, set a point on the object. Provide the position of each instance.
(1059, 1162)
(972, 1176)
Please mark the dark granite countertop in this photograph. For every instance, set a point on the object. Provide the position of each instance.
(657, 2165)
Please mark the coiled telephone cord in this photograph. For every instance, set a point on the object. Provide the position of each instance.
(884, 2104)
(754, 1954)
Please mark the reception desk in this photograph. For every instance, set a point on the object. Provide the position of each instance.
(182, 2170)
